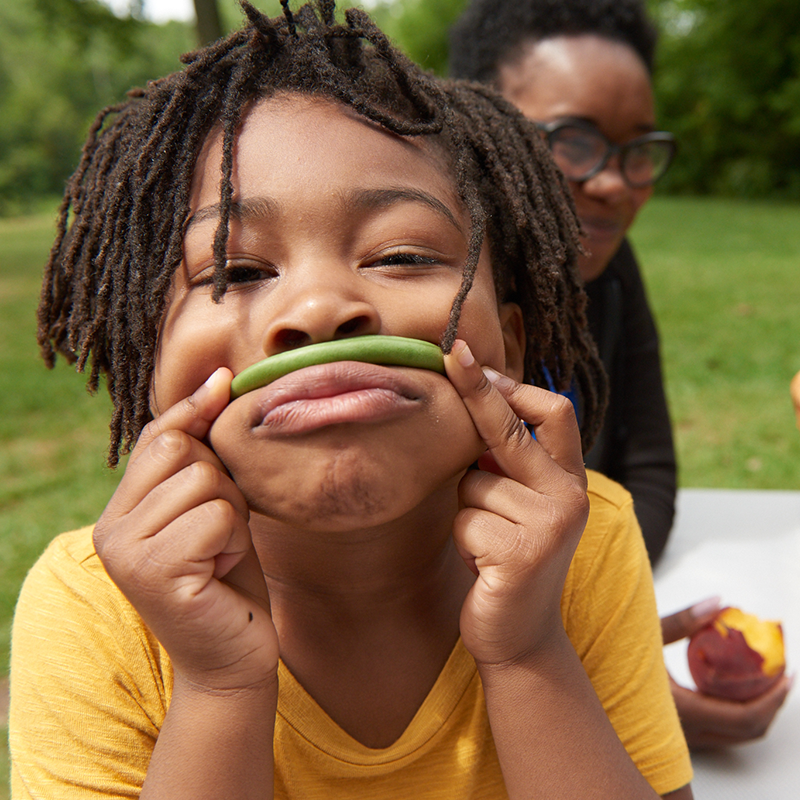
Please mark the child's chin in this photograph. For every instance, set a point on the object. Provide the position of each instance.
(346, 493)
(347, 477)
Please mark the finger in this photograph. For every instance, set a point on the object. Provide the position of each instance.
(551, 415)
(183, 555)
(193, 415)
(499, 423)
(483, 540)
(167, 455)
(730, 720)
(247, 576)
(689, 620)
(196, 484)
(192, 544)
(492, 492)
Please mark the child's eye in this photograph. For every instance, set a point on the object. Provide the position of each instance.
(403, 259)
(238, 273)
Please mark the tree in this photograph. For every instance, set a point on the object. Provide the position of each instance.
(728, 84)
(61, 61)
(209, 22)
(420, 28)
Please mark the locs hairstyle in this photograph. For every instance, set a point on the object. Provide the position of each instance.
(491, 33)
(125, 209)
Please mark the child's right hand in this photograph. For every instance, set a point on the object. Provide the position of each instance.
(175, 539)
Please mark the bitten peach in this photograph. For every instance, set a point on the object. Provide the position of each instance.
(737, 656)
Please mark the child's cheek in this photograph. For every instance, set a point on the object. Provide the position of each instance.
(193, 343)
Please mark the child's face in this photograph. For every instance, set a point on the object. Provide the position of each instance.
(339, 229)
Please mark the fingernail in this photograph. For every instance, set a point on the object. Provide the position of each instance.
(706, 606)
(497, 378)
(213, 377)
(464, 355)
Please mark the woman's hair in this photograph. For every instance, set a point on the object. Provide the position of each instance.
(492, 33)
(124, 213)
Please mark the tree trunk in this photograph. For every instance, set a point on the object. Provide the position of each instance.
(209, 27)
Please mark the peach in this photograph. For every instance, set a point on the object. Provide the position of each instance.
(737, 656)
(794, 388)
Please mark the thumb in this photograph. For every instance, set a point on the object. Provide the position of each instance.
(689, 620)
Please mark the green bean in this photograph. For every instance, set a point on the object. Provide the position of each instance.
(395, 351)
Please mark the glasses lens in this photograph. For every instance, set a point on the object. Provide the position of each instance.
(576, 151)
(644, 163)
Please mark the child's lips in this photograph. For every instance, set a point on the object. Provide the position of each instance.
(335, 393)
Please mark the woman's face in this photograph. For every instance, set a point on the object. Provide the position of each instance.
(606, 84)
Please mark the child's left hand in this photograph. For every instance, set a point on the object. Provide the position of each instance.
(517, 531)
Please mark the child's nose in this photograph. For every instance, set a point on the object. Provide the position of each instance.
(320, 313)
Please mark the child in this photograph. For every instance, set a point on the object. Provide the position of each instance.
(306, 592)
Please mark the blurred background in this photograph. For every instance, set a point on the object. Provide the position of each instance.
(720, 242)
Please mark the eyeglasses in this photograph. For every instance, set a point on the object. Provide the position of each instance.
(581, 151)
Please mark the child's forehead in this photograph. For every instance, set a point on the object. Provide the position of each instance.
(288, 134)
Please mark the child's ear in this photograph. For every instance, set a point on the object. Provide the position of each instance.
(514, 339)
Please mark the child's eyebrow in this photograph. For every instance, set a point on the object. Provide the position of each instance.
(382, 198)
(369, 199)
(241, 210)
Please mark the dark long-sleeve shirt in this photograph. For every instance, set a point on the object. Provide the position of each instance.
(635, 445)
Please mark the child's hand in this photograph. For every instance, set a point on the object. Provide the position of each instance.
(175, 539)
(518, 529)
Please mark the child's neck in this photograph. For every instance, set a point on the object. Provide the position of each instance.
(367, 618)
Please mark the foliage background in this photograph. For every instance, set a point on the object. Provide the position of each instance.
(727, 83)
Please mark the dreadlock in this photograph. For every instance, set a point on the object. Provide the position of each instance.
(123, 216)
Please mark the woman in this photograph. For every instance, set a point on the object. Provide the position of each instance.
(581, 69)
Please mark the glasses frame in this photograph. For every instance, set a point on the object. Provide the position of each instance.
(549, 129)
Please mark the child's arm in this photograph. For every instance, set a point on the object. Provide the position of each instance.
(519, 534)
(175, 540)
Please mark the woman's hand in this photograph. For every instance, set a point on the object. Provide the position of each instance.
(175, 539)
(712, 722)
(523, 512)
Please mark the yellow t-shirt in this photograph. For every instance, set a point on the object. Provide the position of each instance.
(90, 687)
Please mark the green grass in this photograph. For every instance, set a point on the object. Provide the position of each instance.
(722, 278)
(53, 435)
(723, 281)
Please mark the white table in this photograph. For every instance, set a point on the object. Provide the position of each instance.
(745, 547)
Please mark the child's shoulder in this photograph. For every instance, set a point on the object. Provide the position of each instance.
(69, 579)
(606, 494)
(611, 513)
(71, 619)
(612, 540)
(68, 558)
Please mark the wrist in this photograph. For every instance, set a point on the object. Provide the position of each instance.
(213, 690)
(543, 658)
